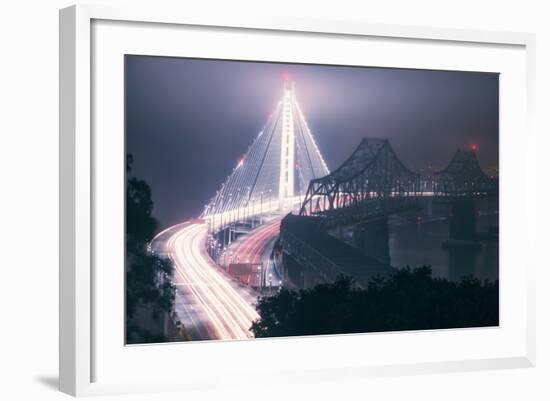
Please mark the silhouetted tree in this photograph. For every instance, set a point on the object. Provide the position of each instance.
(410, 299)
(140, 224)
(147, 282)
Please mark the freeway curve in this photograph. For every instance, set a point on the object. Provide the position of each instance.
(251, 247)
(255, 248)
(210, 304)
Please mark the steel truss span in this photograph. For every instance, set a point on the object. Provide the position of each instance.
(464, 177)
(373, 171)
(374, 181)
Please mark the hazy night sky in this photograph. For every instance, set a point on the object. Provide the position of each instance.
(189, 121)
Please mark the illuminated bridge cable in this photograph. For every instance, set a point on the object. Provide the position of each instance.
(265, 152)
(276, 169)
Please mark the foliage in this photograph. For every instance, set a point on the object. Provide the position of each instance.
(147, 275)
(410, 299)
(140, 224)
(147, 283)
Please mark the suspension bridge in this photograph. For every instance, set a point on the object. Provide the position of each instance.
(281, 199)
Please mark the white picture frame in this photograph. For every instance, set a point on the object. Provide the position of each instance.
(78, 370)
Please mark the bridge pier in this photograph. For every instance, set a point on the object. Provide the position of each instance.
(372, 238)
(463, 220)
(462, 225)
(492, 208)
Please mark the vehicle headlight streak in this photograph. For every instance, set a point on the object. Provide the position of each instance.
(229, 313)
(251, 250)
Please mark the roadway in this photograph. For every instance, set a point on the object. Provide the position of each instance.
(255, 248)
(210, 304)
(250, 248)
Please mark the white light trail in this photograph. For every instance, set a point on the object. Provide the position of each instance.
(228, 311)
(256, 208)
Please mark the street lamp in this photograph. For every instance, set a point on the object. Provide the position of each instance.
(261, 205)
(251, 215)
(230, 259)
(260, 277)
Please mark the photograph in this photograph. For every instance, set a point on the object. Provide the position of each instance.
(270, 199)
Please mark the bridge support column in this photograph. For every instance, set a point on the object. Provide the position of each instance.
(463, 221)
(372, 238)
(462, 227)
(492, 208)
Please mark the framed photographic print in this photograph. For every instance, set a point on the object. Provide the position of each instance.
(335, 198)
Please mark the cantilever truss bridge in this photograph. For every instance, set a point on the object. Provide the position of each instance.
(373, 182)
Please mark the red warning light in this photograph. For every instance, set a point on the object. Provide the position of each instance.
(474, 147)
(286, 76)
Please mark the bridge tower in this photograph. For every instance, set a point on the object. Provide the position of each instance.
(288, 144)
(275, 172)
